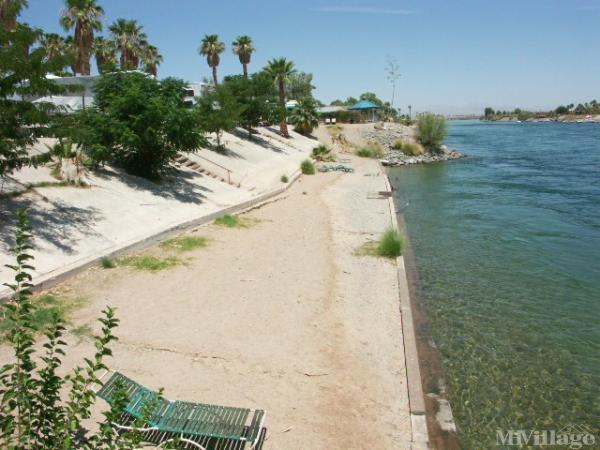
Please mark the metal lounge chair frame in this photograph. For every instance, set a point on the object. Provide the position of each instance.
(192, 423)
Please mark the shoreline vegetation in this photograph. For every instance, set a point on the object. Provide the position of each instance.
(587, 112)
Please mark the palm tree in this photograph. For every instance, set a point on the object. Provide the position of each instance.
(9, 10)
(106, 54)
(305, 117)
(279, 70)
(71, 52)
(84, 16)
(244, 47)
(212, 47)
(53, 44)
(130, 40)
(151, 59)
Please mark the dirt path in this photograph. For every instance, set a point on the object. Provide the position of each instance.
(281, 316)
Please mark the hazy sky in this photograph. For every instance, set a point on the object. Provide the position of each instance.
(454, 55)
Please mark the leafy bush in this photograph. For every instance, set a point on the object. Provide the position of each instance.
(40, 407)
(322, 153)
(397, 145)
(372, 150)
(284, 179)
(307, 167)
(304, 117)
(107, 263)
(138, 123)
(431, 131)
(390, 245)
(256, 95)
(219, 111)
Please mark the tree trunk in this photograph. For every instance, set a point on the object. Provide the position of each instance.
(245, 66)
(283, 129)
(215, 78)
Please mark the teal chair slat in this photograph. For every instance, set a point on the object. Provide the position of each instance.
(255, 425)
(185, 418)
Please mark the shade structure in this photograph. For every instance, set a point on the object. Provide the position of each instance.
(364, 105)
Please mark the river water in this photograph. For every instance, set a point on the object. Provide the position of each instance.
(507, 250)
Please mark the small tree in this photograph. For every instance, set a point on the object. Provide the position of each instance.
(219, 111)
(299, 85)
(431, 131)
(39, 408)
(138, 123)
(254, 94)
(23, 72)
(304, 117)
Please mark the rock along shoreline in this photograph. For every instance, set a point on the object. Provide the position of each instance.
(395, 158)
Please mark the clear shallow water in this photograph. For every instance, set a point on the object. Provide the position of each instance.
(507, 245)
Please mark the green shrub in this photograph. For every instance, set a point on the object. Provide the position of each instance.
(412, 149)
(390, 245)
(322, 153)
(107, 263)
(185, 243)
(41, 406)
(139, 123)
(284, 179)
(431, 131)
(307, 167)
(151, 263)
(371, 150)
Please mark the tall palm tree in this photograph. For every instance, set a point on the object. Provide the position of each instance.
(212, 47)
(244, 47)
(279, 70)
(71, 52)
(130, 40)
(151, 59)
(106, 54)
(84, 16)
(9, 10)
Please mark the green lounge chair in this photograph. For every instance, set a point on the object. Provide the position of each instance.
(196, 424)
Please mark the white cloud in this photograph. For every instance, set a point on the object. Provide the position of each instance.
(361, 10)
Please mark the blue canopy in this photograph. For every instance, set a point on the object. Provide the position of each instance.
(364, 105)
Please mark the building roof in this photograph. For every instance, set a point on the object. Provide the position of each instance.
(365, 104)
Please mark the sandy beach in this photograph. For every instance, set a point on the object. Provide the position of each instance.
(282, 315)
